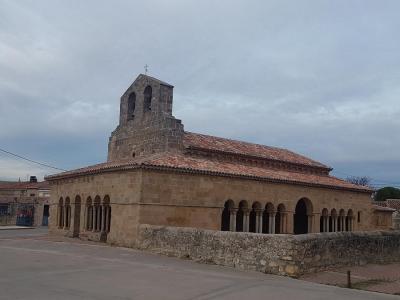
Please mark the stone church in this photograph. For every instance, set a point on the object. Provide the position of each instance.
(159, 174)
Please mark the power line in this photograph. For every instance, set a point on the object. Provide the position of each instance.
(30, 160)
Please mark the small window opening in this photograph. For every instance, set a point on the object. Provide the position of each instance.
(147, 98)
(131, 106)
(359, 217)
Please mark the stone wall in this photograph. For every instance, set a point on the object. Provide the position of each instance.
(276, 254)
(147, 131)
(396, 220)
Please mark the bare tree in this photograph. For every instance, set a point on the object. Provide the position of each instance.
(359, 180)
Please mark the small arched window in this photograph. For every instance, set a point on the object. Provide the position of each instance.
(131, 106)
(147, 98)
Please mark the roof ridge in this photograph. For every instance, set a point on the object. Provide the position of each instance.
(239, 141)
(156, 79)
(267, 147)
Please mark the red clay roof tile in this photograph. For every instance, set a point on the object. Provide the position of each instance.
(183, 162)
(213, 143)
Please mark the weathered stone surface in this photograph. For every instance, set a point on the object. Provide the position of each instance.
(269, 253)
(146, 131)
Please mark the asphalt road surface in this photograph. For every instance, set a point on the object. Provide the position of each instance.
(33, 266)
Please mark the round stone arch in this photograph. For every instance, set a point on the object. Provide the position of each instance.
(229, 205)
(303, 214)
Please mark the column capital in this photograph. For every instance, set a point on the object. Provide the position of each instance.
(246, 211)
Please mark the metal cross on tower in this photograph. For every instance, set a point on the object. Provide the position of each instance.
(146, 68)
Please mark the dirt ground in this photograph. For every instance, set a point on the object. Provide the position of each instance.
(377, 278)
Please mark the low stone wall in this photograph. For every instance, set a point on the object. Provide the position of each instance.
(272, 253)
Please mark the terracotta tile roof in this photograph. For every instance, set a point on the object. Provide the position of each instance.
(181, 162)
(213, 143)
(382, 208)
(16, 185)
(98, 168)
(380, 203)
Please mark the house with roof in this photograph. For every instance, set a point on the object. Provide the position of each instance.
(24, 202)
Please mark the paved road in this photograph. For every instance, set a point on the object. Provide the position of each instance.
(36, 267)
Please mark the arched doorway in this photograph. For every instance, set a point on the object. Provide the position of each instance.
(226, 215)
(301, 217)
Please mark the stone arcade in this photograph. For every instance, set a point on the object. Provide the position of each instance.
(158, 174)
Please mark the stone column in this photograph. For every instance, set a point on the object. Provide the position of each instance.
(334, 223)
(315, 223)
(282, 223)
(313, 219)
(58, 216)
(72, 218)
(107, 217)
(99, 218)
(103, 216)
(246, 217)
(94, 218)
(325, 223)
(90, 220)
(65, 216)
(289, 222)
(272, 222)
(85, 213)
(257, 221)
(232, 219)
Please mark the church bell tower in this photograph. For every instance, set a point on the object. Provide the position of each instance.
(146, 124)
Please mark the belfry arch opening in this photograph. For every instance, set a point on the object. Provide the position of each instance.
(147, 98)
(131, 106)
(302, 216)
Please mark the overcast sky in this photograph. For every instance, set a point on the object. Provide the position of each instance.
(321, 78)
